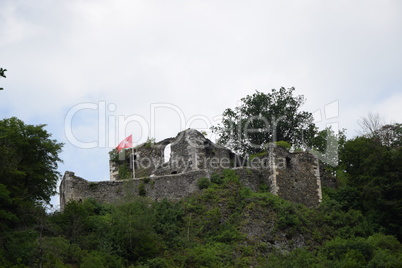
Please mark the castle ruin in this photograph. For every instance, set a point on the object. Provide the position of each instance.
(292, 176)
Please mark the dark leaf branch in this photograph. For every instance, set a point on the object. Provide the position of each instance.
(2, 71)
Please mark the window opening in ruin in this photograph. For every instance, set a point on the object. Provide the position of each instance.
(166, 153)
(288, 163)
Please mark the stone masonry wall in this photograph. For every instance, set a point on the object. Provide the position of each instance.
(291, 184)
(292, 176)
(297, 177)
(171, 187)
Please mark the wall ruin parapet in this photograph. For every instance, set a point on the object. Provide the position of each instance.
(292, 176)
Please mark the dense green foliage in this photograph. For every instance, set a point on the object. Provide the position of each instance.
(373, 181)
(224, 225)
(28, 161)
(28, 177)
(262, 118)
(28, 166)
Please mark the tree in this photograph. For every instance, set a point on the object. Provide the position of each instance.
(326, 145)
(28, 160)
(262, 118)
(133, 230)
(28, 170)
(391, 135)
(28, 177)
(374, 126)
(374, 170)
(371, 124)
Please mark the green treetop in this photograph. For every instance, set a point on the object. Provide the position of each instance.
(266, 117)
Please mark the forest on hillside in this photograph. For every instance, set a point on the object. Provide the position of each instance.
(358, 223)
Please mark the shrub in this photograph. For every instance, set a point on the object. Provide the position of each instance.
(216, 178)
(149, 143)
(230, 176)
(124, 172)
(283, 144)
(203, 183)
(264, 188)
(114, 155)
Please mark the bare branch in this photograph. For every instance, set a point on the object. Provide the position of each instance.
(371, 124)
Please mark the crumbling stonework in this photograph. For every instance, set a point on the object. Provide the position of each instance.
(292, 176)
(297, 177)
(190, 151)
(171, 187)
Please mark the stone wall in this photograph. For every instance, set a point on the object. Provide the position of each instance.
(294, 181)
(190, 151)
(297, 177)
(292, 176)
(172, 187)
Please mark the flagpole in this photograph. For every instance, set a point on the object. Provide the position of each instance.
(132, 152)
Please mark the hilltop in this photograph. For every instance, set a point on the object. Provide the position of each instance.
(224, 225)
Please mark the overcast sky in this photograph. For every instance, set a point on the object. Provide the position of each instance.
(97, 71)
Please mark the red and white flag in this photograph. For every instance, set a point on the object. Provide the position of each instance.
(126, 143)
